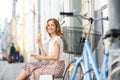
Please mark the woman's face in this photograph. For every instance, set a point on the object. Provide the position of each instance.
(51, 27)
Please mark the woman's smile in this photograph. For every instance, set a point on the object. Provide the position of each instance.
(51, 27)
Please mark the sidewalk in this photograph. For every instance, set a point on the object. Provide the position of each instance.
(11, 71)
(3, 65)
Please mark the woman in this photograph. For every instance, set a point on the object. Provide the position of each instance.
(52, 64)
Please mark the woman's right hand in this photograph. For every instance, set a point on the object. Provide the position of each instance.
(39, 41)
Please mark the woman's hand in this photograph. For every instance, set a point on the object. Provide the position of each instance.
(39, 41)
(35, 56)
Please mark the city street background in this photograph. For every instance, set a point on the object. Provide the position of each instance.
(22, 20)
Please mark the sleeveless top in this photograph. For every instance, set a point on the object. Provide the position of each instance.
(52, 47)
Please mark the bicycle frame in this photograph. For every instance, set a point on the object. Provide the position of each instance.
(88, 52)
(86, 55)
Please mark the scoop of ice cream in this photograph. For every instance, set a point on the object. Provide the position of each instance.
(40, 34)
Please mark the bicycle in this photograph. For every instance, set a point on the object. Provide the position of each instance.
(89, 69)
(76, 49)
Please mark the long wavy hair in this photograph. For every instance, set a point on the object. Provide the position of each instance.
(58, 31)
(58, 28)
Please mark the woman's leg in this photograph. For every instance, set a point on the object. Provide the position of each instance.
(22, 75)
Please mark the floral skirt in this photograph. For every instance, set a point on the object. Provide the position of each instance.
(35, 69)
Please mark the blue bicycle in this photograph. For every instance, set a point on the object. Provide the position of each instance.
(87, 64)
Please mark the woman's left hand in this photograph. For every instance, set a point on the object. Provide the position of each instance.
(37, 57)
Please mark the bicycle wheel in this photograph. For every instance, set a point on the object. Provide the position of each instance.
(69, 70)
(114, 74)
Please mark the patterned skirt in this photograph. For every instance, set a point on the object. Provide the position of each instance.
(35, 69)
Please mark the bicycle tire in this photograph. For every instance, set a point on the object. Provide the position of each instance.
(79, 74)
(114, 74)
(66, 76)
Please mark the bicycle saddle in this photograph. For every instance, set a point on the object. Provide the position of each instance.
(115, 33)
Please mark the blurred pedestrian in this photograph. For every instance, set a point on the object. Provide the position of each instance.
(17, 54)
(21, 59)
(12, 53)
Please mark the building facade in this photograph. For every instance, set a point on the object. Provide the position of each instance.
(30, 17)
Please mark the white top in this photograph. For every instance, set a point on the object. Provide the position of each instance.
(51, 46)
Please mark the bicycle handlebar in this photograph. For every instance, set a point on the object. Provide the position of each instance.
(77, 14)
(67, 13)
(102, 18)
(90, 19)
(73, 14)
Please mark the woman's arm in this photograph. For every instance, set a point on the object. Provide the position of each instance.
(55, 56)
(40, 46)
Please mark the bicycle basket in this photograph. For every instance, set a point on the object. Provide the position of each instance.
(73, 36)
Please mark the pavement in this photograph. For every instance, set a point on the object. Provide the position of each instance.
(3, 65)
(9, 71)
